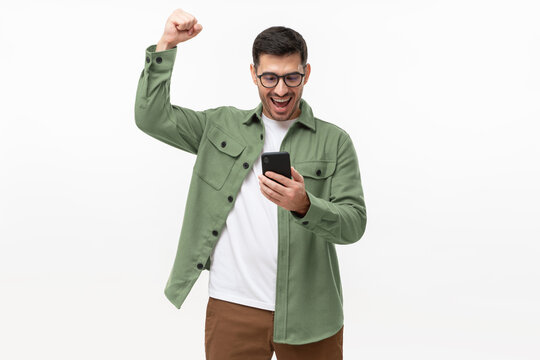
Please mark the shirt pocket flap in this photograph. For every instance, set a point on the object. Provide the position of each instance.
(316, 169)
(225, 143)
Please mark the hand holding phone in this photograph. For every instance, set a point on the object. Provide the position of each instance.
(278, 162)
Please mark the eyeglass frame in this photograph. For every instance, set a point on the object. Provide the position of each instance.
(281, 76)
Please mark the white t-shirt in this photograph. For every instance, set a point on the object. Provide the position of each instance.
(244, 261)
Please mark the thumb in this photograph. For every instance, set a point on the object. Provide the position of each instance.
(195, 30)
(296, 175)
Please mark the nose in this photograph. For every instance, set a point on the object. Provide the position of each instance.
(281, 89)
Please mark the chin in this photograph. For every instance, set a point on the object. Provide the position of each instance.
(281, 117)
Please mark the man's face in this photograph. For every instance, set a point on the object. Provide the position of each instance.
(272, 98)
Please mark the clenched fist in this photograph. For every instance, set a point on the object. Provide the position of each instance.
(180, 26)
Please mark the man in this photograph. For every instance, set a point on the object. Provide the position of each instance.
(274, 283)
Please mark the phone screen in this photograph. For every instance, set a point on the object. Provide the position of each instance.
(278, 162)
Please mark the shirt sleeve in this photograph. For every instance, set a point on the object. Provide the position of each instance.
(155, 115)
(342, 219)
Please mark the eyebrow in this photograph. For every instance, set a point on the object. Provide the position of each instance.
(273, 73)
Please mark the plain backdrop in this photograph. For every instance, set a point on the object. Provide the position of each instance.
(441, 99)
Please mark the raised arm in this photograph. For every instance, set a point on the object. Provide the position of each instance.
(154, 114)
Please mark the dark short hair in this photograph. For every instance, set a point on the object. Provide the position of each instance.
(279, 40)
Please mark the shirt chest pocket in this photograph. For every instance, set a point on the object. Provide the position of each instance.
(216, 157)
(317, 175)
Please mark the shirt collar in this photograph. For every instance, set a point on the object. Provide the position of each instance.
(306, 115)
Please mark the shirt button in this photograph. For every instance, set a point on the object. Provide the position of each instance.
(318, 172)
(261, 136)
(158, 59)
(147, 59)
(214, 232)
(223, 143)
(200, 266)
(230, 198)
(246, 165)
(305, 222)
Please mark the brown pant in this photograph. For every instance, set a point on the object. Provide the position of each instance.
(239, 332)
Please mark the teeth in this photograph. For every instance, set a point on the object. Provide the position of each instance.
(281, 100)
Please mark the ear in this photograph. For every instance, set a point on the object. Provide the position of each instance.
(308, 71)
(253, 73)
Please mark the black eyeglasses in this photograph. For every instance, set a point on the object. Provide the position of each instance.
(270, 80)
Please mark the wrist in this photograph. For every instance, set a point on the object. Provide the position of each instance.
(163, 45)
(302, 212)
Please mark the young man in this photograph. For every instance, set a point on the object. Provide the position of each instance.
(274, 281)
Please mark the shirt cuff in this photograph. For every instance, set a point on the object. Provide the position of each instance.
(159, 61)
(314, 214)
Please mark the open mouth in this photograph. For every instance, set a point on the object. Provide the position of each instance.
(281, 103)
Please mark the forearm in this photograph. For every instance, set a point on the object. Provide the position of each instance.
(343, 223)
(342, 218)
(152, 102)
(163, 45)
(155, 115)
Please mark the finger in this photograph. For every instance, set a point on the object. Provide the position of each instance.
(296, 175)
(271, 187)
(178, 22)
(278, 188)
(191, 21)
(269, 198)
(197, 29)
(183, 21)
(282, 179)
(266, 192)
(180, 26)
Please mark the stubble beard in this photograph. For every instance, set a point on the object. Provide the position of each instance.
(267, 104)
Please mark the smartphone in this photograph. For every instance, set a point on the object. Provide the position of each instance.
(278, 162)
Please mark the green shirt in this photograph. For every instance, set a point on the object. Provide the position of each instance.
(227, 142)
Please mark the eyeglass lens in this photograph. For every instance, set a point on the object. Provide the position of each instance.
(271, 80)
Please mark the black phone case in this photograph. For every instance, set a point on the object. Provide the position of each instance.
(278, 162)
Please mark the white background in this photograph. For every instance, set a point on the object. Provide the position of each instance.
(441, 99)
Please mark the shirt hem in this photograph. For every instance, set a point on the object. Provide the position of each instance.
(241, 300)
